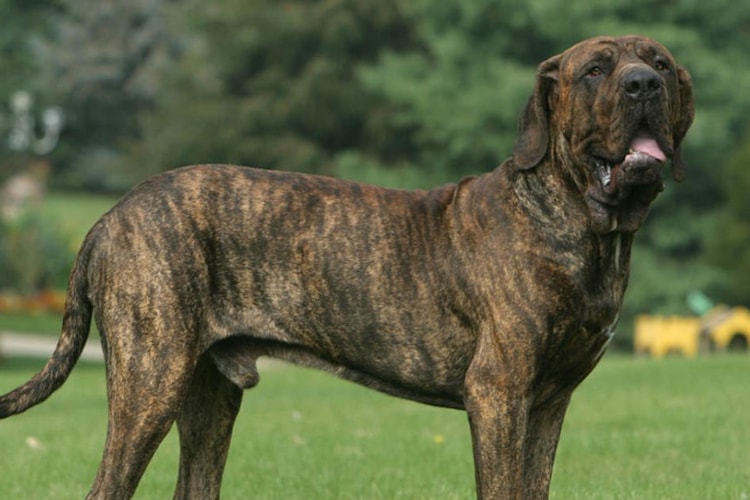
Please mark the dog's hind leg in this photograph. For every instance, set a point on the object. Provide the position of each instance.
(146, 385)
(205, 425)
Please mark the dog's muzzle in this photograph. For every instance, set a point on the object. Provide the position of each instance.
(640, 166)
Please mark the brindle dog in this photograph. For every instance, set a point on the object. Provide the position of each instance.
(497, 295)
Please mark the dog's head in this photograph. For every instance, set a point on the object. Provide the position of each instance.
(615, 110)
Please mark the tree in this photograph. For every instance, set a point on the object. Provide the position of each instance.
(28, 20)
(280, 92)
(103, 64)
(729, 243)
(459, 93)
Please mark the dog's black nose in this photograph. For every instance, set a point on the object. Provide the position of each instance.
(641, 84)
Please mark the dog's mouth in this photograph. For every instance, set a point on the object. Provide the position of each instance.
(620, 191)
(641, 165)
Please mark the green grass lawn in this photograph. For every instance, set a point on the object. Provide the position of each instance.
(43, 323)
(47, 323)
(637, 429)
(76, 213)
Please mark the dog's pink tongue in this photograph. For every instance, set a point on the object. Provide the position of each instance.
(646, 144)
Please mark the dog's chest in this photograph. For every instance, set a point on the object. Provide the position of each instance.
(607, 291)
(588, 308)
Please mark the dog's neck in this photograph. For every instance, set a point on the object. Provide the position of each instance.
(555, 203)
(538, 212)
(556, 212)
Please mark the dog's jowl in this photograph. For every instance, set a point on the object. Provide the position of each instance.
(496, 295)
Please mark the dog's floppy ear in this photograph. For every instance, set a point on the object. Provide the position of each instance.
(684, 120)
(533, 123)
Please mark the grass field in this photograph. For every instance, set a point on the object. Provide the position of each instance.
(637, 429)
(75, 213)
(47, 323)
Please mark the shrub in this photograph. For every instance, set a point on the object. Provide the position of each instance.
(34, 255)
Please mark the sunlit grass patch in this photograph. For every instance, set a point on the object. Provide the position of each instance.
(636, 429)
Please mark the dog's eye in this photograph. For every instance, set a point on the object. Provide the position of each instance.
(661, 66)
(595, 71)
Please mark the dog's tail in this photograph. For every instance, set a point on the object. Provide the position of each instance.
(75, 331)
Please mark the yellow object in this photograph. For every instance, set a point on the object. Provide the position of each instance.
(722, 329)
(731, 332)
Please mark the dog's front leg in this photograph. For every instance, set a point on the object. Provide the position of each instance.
(498, 401)
(542, 436)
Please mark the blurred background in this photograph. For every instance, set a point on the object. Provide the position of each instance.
(98, 94)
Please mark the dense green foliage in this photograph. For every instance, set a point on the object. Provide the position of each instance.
(37, 249)
(399, 93)
(731, 247)
(33, 254)
(635, 430)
